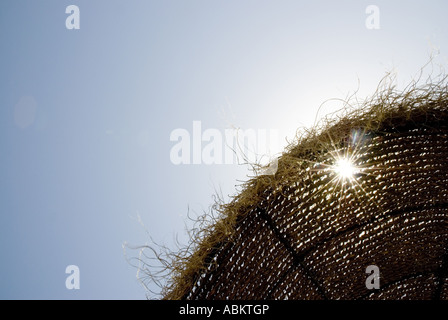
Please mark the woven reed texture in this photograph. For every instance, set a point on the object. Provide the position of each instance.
(312, 234)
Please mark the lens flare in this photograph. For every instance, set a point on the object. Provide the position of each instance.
(344, 168)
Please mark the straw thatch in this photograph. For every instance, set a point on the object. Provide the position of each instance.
(308, 233)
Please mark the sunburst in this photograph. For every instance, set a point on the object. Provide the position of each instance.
(344, 167)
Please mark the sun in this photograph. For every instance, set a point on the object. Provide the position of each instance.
(342, 171)
(345, 168)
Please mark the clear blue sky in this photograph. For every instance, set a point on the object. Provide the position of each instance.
(86, 115)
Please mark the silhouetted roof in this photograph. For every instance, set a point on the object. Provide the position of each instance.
(308, 232)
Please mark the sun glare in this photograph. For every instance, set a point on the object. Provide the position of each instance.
(345, 168)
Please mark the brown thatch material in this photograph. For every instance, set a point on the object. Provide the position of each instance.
(308, 233)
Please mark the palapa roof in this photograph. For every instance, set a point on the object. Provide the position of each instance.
(308, 232)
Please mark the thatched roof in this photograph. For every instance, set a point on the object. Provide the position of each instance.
(310, 232)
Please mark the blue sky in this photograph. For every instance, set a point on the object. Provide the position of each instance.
(86, 115)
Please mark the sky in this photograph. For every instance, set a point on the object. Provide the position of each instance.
(114, 130)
